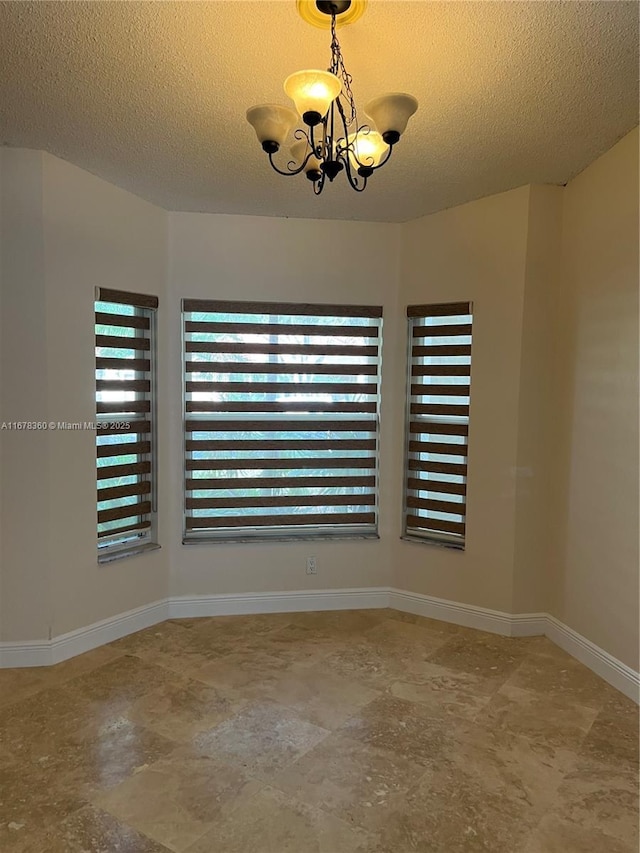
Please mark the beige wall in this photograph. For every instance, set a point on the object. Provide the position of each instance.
(64, 232)
(475, 252)
(534, 485)
(595, 587)
(25, 579)
(244, 257)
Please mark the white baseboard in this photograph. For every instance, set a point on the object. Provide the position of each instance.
(618, 674)
(47, 652)
(481, 618)
(296, 601)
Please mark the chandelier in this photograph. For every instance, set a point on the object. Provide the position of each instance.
(332, 141)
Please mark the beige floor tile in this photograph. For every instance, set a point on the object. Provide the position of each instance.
(446, 691)
(570, 681)
(349, 779)
(262, 738)
(176, 800)
(88, 830)
(601, 797)
(485, 655)
(408, 729)
(386, 654)
(181, 709)
(318, 695)
(554, 835)
(271, 822)
(536, 715)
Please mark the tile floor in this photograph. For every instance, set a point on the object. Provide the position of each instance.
(334, 732)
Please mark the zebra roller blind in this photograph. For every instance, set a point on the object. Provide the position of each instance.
(437, 422)
(125, 407)
(281, 419)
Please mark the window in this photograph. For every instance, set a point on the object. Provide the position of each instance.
(437, 422)
(281, 419)
(125, 435)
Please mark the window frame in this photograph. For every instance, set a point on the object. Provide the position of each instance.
(274, 532)
(130, 543)
(430, 535)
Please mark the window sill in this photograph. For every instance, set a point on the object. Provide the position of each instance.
(134, 551)
(418, 540)
(262, 540)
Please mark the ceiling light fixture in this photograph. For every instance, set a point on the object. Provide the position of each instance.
(333, 141)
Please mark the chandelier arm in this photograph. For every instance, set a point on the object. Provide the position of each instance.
(384, 159)
(353, 181)
(318, 186)
(289, 170)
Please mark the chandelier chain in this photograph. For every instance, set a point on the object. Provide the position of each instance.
(338, 68)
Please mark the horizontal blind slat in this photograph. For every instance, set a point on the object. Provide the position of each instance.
(128, 511)
(124, 386)
(415, 522)
(210, 407)
(283, 426)
(130, 321)
(114, 492)
(136, 406)
(289, 444)
(232, 483)
(441, 350)
(437, 506)
(213, 327)
(249, 387)
(144, 524)
(134, 447)
(439, 390)
(443, 309)
(122, 342)
(292, 309)
(431, 427)
(135, 428)
(108, 472)
(438, 447)
(121, 297)
(334, 518)
(450, 330)
(267, 369)
(139, 364)
(281, 500)
(439, 409)
(441, 370)
(337, 462)
(446, 486)
(429, 466)
(223, 348)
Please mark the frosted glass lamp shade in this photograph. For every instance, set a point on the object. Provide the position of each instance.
(272, 124)
(367, 149)
(312, 92)
(312, 169)
(390, 114)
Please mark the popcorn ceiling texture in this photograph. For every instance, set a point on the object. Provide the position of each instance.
(152, 96)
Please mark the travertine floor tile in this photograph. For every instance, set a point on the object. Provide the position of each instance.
(554, 835)
(271, 822)
(262, 738)
(181, 709)
(407, 729)
(88, 830)
(569, 682)
(525, 712)
(446, 691)
(349, 779)
(486, 655)
(176, 800)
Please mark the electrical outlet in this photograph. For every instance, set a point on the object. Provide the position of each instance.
(312, 567)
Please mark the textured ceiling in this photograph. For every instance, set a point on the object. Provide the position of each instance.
(152, 95)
